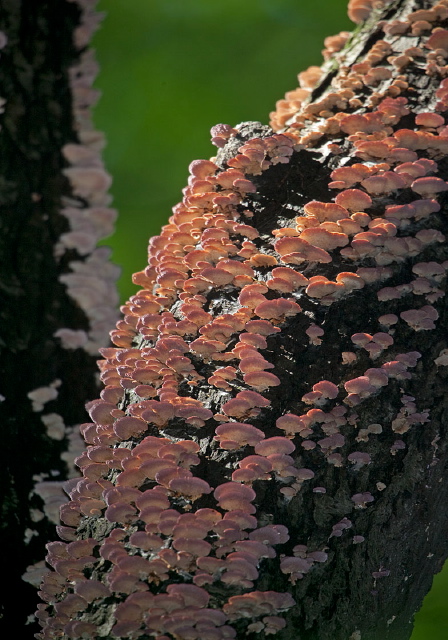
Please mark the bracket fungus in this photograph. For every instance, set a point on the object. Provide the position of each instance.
(198, 452)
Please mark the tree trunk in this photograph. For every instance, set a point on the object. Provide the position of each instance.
(268, 454)
(50, 330)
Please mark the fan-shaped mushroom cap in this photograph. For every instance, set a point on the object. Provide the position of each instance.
(233, 495)
(377, 377)
(326, 388)
(429, 186)
(255, 399)
(191, 595)
(438, 39)
(252, 294)
(314, 332)
(202, 168)
(277, 309)
(326, 211)
(353, 200)
(388, 319)
(239, 433)
(254, 363)
(261, 380)
(323, 239)
(420, 319)
(277, 444)
(384, 183)
(128, 427)
(271, 534)
(362, 499)
(428, 119)
(360, 386)
(236, 407)
(192, 488)
(263, 327)
(350, 280)
(296, 250)
(361, 339)
(359, 458)
(320, 287)
(290, 423)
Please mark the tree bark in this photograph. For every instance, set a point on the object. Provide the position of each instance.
(46, 378)
(341, 539)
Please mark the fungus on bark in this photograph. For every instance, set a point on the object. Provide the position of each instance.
(205, 335)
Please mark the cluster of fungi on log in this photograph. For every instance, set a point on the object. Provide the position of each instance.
(91, 278)
(174, 553)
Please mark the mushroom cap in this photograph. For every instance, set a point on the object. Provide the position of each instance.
(271, 534)
(277, 444)
(263, 327)
(388, 319)
(290, 423)
(202, 168)
(239, 432)
(429, 185)
(254, 340)
(438, 39)
(228, 489)
(314, 332)
(323, 239)
(277, 309)
(361, 499)
(428, 119)
(261, 380)
(360, 386)
(354, 200)
(327, 389)
(128, 427)
(290, 275)
(326, 210)
(236, 407)
(191, 595)
(384, 183)
(297, 250)
(192, 487)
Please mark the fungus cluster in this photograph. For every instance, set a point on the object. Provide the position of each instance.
(90, 279)
(191, 430)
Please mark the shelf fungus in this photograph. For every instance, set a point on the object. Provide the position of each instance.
(240, 384)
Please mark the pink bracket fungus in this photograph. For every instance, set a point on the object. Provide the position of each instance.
(322, 391)
(233, 495)
(191, 488)
(234, 435)
(420, 319)
(277, 444)
(353, 200)
(314, 333)
(292, 425)
(361, 500)
(359, 459)
(261, 380)
(429, 187)
(296, 251)
(199, 341)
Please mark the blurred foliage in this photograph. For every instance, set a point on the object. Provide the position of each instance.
(171, 69)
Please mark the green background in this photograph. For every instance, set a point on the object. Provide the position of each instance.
(170, 70)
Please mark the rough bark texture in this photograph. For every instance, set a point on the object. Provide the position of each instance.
(38, 119)
(376, 524)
